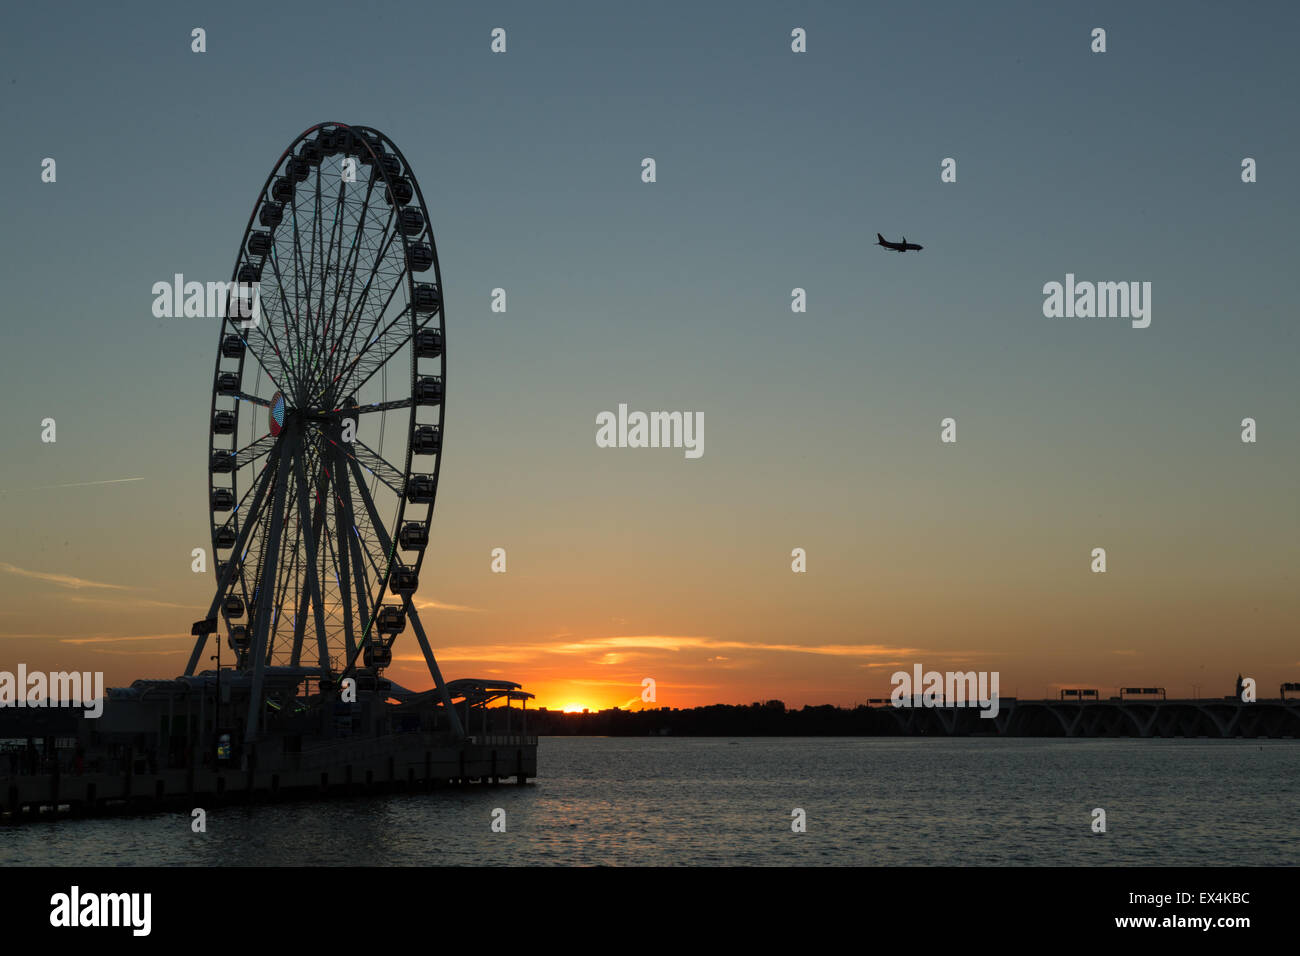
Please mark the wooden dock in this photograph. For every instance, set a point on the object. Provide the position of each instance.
(348, 768)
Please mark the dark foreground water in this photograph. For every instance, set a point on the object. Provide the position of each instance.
(666, 801)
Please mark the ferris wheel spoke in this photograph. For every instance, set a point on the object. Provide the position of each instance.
(253, 451)
(316, 278)
(253, 399)
(337, 228)
(302, 315)
(378, 406)
(267, 351)
(340, 359)
(354, 254)
(372, 566)
(259, 350)
(377, 465)
(376, 353)
(286, 312)
(371, 570)
(282, 310)
(369, 338)
(342, 308)
(248, 328)
(312, 259)
(233, 522)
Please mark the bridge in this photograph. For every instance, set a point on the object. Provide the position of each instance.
(1091, 717)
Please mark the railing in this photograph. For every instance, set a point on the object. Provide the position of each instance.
(348, 750)
(504, 740)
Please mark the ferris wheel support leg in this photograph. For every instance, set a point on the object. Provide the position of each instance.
(386, 543)
(266, 587)
(429, 660)
(224, 583)
(348, 544)
(299, 626)
(341, 459)
(345, 572)
(313, 583)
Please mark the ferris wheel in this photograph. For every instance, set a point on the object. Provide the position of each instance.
(327, 416)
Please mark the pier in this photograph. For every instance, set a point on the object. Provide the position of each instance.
(401, 762)
(163, 744)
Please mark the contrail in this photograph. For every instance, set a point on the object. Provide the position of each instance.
(63, 580)
(74, 484)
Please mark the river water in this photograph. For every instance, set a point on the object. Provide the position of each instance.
(719, 801)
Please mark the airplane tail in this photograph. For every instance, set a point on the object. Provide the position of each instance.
(880, 240)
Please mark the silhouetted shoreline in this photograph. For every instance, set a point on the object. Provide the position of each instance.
(770, 719)
(1221, 718)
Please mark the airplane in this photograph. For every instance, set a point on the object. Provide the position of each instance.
(897, 246)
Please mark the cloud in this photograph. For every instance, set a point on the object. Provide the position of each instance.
(8, 636)
(440, 606)
(620, 650)
(595, 682)
(149, 653)
(673, 643)
(496, 653)
(62, 580)
(72, 484)
(128, 602)
(105, 639)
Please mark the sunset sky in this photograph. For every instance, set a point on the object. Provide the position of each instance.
(775, 171)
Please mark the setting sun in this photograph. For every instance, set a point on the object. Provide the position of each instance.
(574, 708)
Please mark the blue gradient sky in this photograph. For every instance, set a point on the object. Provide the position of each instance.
(775, 170)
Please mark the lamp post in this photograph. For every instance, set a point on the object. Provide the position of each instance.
(202, 629)
(216, 720)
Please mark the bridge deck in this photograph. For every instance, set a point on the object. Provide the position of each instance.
(1114, 717)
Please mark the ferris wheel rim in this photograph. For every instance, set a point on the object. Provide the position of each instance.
(289, 444)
